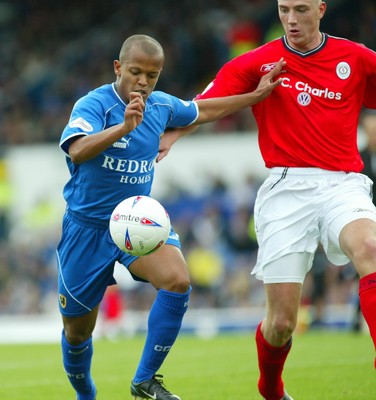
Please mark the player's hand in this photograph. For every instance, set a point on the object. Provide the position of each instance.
(268, 82)
(134, 111)
(167, 140)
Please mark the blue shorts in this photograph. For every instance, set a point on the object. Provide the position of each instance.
(86, 257)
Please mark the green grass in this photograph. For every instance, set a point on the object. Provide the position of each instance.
(321, 365)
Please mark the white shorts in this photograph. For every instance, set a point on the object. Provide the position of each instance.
(296, 208)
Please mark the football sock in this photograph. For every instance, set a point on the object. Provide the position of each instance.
(165, 319)
(77, 362)
(271, 361)
(367, 296)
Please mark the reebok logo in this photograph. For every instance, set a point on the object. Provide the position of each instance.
(267, 67)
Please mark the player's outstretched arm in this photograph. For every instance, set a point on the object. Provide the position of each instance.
(216, 108)
(89, 146)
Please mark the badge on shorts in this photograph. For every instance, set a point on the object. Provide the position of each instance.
(63, 300)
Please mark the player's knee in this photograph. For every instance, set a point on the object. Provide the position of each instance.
(178, 283)
(75, 336)
(364, 254)
(283, 327)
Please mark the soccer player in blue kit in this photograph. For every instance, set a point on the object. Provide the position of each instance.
(111, 143)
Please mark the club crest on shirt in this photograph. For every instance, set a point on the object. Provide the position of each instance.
(63, 300)
(343, 70)
(82, 124)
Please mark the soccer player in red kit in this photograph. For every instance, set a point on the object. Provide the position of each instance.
(315, 191)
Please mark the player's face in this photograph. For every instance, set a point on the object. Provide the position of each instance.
(139, 72)
(301, 22)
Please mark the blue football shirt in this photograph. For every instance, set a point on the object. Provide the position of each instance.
(126, 168)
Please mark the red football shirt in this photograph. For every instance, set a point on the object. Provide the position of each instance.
(311, 120)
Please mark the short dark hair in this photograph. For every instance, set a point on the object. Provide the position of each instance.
(148, 44)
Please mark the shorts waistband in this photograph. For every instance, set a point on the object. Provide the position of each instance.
(291, 171)
(87, 221)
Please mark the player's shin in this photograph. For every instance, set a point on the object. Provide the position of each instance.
(77, 364)
(367, 295)
(271, 361)
(164, 324)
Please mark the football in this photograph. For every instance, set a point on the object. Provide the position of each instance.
(139, 225)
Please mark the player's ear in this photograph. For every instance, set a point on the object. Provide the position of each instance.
(117, 67)
(322, 9)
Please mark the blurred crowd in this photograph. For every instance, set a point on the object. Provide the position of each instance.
(52, 53)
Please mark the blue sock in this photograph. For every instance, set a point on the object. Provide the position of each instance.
(77, 363)
(164, 324)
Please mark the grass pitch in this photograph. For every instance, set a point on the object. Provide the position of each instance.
(321, 365)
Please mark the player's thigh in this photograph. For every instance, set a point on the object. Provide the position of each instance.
(349, 222)
(358, 241)
(283, 279)
(165, 269)
(289, 268)
(286, 220)
(283, 299)
(85, 258)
